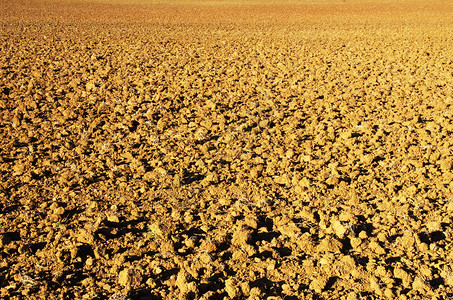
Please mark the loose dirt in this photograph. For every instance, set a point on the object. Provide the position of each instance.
(226, 150)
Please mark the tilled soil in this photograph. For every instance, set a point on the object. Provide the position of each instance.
(226, 150)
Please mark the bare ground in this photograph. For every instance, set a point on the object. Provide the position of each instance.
(222, 150)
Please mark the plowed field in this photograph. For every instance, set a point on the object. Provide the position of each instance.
(226, 150)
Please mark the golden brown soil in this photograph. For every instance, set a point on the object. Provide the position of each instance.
(218, 150)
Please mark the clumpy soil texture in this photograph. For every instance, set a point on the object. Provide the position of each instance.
(226, 150)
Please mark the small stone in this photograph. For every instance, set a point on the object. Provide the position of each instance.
(352, 296)
(407, 240)
(426, 272)
(330, 245)
(255, 292)
(318, 284)
(85, 236)
(389, 294)
(304, 182)
(181, 281)
(89, 261)
(151, 283)
(377, 248)
(210, 104)
(155, 228)
(403, 275)
(449, 280)
(434, 226)
(112, 217)
(59, 211)
(374, 284)
(245, 287)
(420, 284)
(90, 86)
(189, 243)
(210, 178)
(283, 180)
(192, 287)
(231, 288)
(339, 228)
(382, 237)
(287, 227)
(124, 277)
(251, 221)
(423, 247)
(332, 180)
(241, 235)
(363, 235)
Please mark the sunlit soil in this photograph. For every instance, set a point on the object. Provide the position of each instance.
(217, 150)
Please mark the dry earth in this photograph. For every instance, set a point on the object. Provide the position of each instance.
(218, 150)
